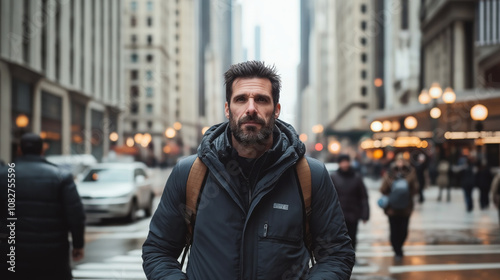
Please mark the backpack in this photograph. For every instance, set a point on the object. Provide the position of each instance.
(399, 197)
(195, 182)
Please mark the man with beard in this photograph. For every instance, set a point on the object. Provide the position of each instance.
(352, 195)
(250, 221)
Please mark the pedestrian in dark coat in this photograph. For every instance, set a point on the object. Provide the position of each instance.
(483, 182)
(399, 219)
(47, 207)
(353, 196)
(250, 218)
(465, 168)
(495, 192)
(442, 180)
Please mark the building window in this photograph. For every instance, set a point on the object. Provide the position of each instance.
(133, 38)
(363, 25)
(404, 14)
(150, 21)
(134, 108)
(134, 75)
(364, 91)
(363, 8)
(149, 58)
(134, 125)
(150, 124)
(133, 6)
(149, 108)
(134, 57)
(150, 6)
(149, 75)
(363, 57)
(363, 74)
(363, 41)
(149, 92)
(150, 39)
(134, 93)
(133, 21)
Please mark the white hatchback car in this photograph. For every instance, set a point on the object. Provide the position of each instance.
(116, 190)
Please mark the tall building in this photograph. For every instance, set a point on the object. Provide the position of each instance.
(337, 70)
(303, 67)
(61, 75)
(257, 42)
(148, 36)
(356, 32)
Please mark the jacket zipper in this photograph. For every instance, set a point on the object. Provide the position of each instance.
(265, 229)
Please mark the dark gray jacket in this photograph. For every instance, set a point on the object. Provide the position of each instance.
(47, 208)
(259, 240)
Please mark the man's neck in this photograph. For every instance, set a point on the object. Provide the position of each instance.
(252, 151)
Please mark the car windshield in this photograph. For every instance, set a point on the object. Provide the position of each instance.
(108, 175)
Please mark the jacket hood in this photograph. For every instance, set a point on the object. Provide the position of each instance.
(216, 144)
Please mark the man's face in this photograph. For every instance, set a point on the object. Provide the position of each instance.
(344, 165)
(251, 112)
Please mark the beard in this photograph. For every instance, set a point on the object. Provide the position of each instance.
(251, 136)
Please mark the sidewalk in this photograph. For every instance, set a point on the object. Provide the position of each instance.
(444, 241)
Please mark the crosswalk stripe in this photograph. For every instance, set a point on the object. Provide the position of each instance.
(129, 275)
(110, 266)
(429, 253)
(443, 267)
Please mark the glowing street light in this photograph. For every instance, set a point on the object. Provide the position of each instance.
(435, 113)
(376, 126)
(449, 96)
(113, 136)
(479, 112)
(170, 133)
(435, 91)
(424, 97)
(410, 122)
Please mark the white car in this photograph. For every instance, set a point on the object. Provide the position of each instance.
(331, 167)
(116, 190)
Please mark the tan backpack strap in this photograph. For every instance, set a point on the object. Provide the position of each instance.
(193, 186)
(304, 174)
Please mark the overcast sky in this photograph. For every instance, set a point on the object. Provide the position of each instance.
(280, 37)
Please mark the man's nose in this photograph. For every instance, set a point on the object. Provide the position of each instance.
(251, 107)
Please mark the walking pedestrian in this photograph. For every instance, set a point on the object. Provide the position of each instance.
(420, 168)
(442, 180)
(353, 196)
(399, 218)
(46, 206)
(250, 222)
(467, 179)
(483, 182)
(495, 192)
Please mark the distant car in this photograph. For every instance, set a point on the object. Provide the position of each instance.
(75, 164)
(331, 167)
(116, 190)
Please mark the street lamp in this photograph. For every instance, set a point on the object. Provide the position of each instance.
(479, 113)
(410, 122)
(376, 126)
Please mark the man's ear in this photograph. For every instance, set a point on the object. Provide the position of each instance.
(277, 111)
(226, 110)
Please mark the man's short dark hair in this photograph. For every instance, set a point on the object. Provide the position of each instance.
(31, 144)
(253, 69)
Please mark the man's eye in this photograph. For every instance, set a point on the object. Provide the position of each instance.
(261, 99)
(239, 99)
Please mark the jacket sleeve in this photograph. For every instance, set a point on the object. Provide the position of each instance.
(365, 207)
(332, 247)
(167, 231)
(73, 210)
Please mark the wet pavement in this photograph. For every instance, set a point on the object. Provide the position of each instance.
(445, 242)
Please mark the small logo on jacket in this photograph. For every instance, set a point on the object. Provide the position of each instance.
(280, 206)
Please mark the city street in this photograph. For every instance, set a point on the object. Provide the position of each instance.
(444, 242)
